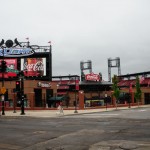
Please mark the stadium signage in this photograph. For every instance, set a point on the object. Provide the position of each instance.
(92, 77)
(44, 84)
(16, 52)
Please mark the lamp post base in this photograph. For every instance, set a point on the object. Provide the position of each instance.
(22, 114)
(3, 109)
(3, 113)
(129, 105)
(22, 110)
(75, 111)
(3, 105)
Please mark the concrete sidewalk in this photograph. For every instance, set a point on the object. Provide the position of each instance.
(56, 113)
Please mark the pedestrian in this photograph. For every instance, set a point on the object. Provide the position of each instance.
(60, 109)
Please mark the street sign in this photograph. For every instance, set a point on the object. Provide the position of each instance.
(3, 97)
(3, 90)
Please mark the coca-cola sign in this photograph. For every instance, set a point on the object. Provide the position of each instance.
(92, 77)
(38, 66)
(34, 66)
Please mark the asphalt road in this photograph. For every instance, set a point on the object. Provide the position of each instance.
(115, 130)
(136, 113)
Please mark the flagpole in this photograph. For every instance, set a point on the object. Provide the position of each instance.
(50, 61)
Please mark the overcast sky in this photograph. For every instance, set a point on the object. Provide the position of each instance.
(82, 30)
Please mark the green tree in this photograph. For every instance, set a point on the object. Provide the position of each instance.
(138, 92)
(116, 90)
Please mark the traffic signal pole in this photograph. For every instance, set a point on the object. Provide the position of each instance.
(3, 96)
(22, 94)
(3, 65)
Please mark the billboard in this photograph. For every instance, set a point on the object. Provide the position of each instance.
(16, 52)
(92, 77)
(33, 66)
(11, 70)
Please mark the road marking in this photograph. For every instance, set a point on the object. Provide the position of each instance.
(95, 115)
(102, 114)
(142, 110)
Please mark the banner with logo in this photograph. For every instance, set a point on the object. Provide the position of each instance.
(11, 70)
(92, 77)
(44, 84)
(33, 66)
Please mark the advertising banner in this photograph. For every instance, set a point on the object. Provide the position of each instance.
(92, 77)
(33, 66)
(11, 70)
(44, 84)
(16, 52)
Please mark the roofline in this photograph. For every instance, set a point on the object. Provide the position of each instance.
(134, 74)
(69, 76)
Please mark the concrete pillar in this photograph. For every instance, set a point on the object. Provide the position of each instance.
(142, 99)
(132, 98)
(31, 99)
(81, 99)
(113, 99)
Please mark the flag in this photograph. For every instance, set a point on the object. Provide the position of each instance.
(49, 42)
(27, 38)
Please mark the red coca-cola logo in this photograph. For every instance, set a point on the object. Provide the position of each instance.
(92, 77)
(38, 66)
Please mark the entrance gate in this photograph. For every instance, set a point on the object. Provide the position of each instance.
(38, 97)
(147, 98)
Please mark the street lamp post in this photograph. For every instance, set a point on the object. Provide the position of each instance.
(22, 92)
(130, 94)
(14, 105)
(8, 44)
(3, 103)
(75, 111)
(3, 96)
(106, 100)
(56, 95)
(3, 65)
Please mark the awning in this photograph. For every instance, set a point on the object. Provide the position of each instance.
(8, 74)
(57, 98)
(127, 83)
(61, 93)
(63, 87)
